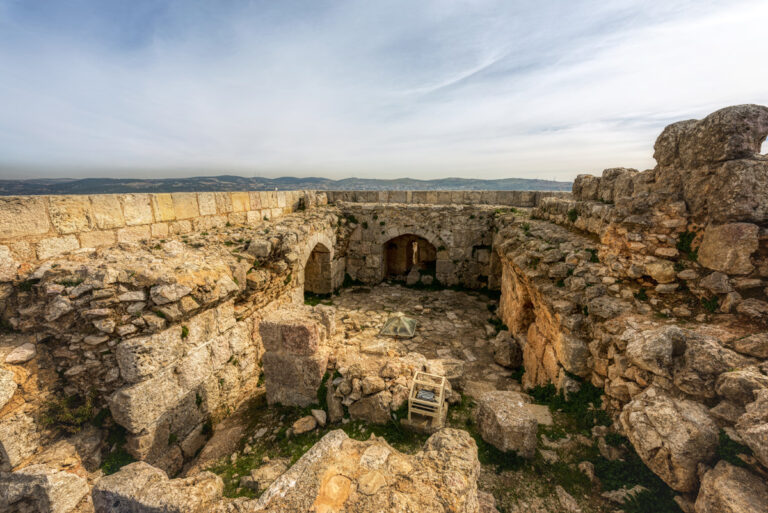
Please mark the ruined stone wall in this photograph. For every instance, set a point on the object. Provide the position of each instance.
(36, 228)
(461, 235)
(163, 333)
(652, 285)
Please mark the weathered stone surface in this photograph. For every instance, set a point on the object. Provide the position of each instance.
(753, 345)
(19, 439)
(671, 436)
(8, 264)
(730, 489)
(7, 386)
(504, 422)
(727, 248)
(753, 426)
(21, 354)
(727, 134)
(55, 246)
(304, 425)
(42, 489)
(266, 474)
(716, 283)
(163, 294)
(739, 386)
(292, 381)
(371, 477)
(374, 408)
(506, 350)
(654, 350)
(142, 357)
(141, 488)
(70, 214)
(20, 217)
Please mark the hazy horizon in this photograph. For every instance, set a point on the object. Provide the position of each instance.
(485, 89)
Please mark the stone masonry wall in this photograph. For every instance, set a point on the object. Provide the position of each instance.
(507, 198)
(36, 228)
(461, 234)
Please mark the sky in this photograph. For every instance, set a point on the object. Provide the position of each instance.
(375, 89)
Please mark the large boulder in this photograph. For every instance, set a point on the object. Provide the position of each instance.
(142, 488)
(671, 436)
(42, 489)
(730, 489)
(753, 426)
(727, 134)
(370, 477)
(504, 422)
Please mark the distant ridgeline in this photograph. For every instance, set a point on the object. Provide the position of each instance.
(241, 183)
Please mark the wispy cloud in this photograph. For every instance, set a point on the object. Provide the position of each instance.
(343, 88)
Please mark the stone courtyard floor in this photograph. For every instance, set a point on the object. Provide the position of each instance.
(575, 464)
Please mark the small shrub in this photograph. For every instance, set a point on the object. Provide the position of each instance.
(683, 245)
(573, 215)
(593, 256)
(641, 295)
(526, 227)
(69, 413)
(365, 225)
(172, 438)
(710, 305)
(729, 450)
(184, 332)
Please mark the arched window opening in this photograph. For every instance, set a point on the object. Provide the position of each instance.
(411, 259)
(317, 272)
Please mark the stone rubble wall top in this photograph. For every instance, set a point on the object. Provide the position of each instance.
(36, 228)
(509, 198)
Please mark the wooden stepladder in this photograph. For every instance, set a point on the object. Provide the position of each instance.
(427, 397)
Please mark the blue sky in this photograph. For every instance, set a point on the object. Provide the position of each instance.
(384, 88)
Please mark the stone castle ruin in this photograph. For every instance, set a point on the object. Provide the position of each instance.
(150, 342)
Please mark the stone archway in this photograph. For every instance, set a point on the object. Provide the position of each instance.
(408, 257)
(318, 275)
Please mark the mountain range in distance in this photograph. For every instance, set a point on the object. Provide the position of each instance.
(241, 183)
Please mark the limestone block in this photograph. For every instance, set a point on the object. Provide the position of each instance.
(23, 216)
(142, 357)
(753, 426)
(292, 380)
(159, 230)
(255, 200)
(240, 202)
(730, 489)
(97, 239)
(207, 203)
(137, 209)
(671, 436)
(8, 264)
(195, 367)
(179, 227)
(223, 202)
(139, 487)
(55, 246)
(70, 214)
(295, 334)
(728, 247)
(7, 386)
(162, 205)
(48, 489)
(185, 205)
(134, 234)
(505, 422)
(19, 439)
(374, 408)
(136, 407)
(107, 211)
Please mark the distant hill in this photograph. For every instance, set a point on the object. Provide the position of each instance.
(241, 183)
